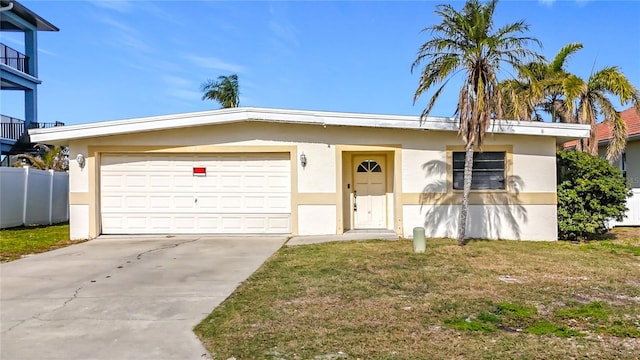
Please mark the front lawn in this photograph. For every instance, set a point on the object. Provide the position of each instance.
(488, 300)
(18, 242)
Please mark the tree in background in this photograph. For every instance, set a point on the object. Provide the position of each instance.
(48, 158)
(225, 91)
(466, 41)
(549, 87)
(543, 86)
(591, 192)
(593, 100)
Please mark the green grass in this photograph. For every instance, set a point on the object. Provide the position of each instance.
(549, 328)
(593, 311)
(379, 300)
(18, 242)
(516, 311)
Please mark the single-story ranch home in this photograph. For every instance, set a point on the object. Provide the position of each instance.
(258, 170)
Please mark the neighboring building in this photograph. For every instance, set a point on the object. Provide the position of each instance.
(19, 72)
(629, 162)
(256, 170)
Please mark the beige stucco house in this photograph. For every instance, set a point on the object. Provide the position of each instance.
(628, 162)
(256, 170)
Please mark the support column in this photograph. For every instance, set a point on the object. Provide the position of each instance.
(30, 107)
(31, 50)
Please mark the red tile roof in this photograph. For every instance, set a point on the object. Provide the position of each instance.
(630, 117)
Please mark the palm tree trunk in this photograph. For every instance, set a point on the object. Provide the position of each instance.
(464, 209)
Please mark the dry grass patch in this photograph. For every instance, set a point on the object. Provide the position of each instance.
(489, 299)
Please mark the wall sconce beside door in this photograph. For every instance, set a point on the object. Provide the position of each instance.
(303, 160)
(81, 160)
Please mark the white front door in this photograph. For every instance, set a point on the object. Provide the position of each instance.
(369, 192)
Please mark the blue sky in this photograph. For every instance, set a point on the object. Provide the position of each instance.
(123, 59)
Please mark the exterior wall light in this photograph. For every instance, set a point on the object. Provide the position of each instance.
(303, 160)
(81, 160)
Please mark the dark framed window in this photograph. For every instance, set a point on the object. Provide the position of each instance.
(488, 170)
(369, 166)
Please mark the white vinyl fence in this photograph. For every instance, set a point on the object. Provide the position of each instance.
(632, 217)
(33, 197)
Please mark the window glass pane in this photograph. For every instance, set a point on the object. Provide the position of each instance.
(488, 170)
(488, 164)
(369, 166)
(458, 177)
(458, 160)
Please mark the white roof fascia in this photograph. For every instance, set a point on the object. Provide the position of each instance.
(563, 132)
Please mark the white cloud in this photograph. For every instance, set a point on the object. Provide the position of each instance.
(46, 52)
(176, 81)
(182, 94)
(122, 6)
(116, 24)
(214, 63)
(284, 31)
(551, 2)
(126, 35)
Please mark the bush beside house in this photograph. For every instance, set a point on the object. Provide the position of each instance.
(591, 192)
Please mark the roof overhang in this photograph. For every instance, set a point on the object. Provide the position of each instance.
(632, 137)
(24, 13)
(63, 134)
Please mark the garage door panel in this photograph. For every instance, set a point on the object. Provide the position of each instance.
(183, 224)
(159, 182)
(178, 202)
(231, 182)
(135, 202)
(241, 193)
(279, 203)
(161, 223)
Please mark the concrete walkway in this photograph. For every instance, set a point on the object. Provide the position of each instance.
(122, 297)
(348, 236)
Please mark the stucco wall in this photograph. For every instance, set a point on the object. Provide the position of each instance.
(633, 163)
(632, 152)
(521, 222)
(317, 219)
(319, 191)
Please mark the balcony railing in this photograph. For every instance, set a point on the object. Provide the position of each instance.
(12, 128)
(14, 58)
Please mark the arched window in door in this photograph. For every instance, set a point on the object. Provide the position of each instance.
(369, 166)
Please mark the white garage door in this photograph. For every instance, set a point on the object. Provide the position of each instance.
(159, 194)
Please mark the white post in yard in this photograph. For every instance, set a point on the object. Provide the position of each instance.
(26, 194)
(51, 197)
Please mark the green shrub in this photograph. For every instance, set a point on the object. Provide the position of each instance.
(591, 192)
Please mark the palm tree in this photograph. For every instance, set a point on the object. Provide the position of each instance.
(55, 158)
(467, 42)
(549, 87)
(225, 91)
(542, 86)
(593, 100)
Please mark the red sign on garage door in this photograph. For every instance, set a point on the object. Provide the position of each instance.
(199, 171)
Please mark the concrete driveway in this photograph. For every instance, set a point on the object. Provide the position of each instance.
(122, 297)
